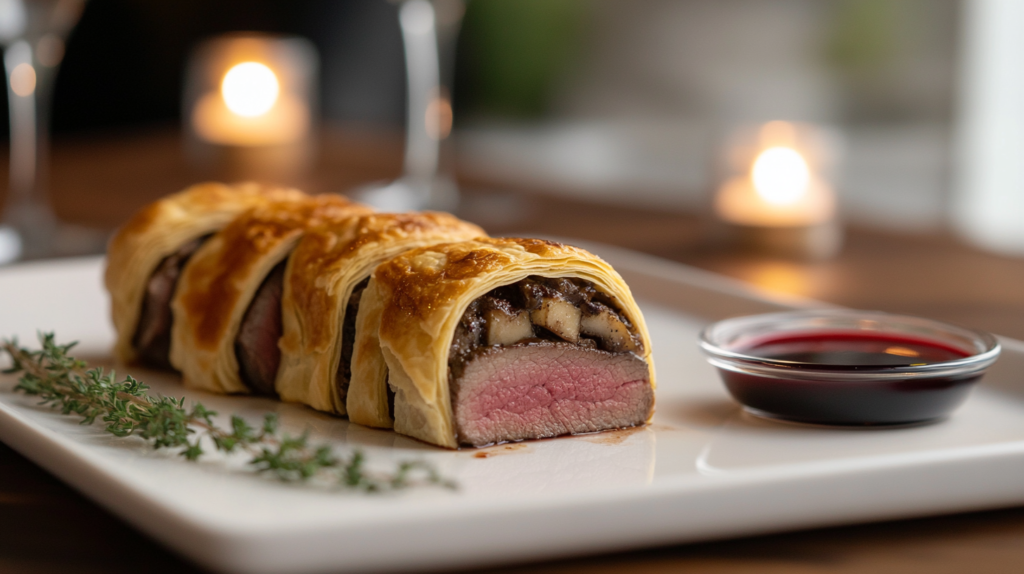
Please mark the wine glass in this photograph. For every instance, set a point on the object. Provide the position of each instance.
(429, 30)
(32, 33)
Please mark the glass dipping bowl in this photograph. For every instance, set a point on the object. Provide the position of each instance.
(857, 393)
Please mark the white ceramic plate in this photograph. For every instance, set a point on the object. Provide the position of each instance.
(703, 470)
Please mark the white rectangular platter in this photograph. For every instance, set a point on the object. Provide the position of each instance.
(704, 469)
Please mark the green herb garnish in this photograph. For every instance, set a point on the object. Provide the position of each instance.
(68, 384)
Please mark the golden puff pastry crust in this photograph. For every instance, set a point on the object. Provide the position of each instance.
(321, 275)
(158, 230)
(220, 280)
(412, 305)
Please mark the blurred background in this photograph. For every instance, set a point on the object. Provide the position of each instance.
(612, 120)
(589, 97)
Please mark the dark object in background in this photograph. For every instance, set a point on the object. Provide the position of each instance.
(513, 54)
(362, 61)
(125, 61)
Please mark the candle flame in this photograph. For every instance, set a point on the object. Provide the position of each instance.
(250, 89)
(781, 175)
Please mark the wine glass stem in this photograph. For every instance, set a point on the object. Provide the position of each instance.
(419, 36)
(28, 209)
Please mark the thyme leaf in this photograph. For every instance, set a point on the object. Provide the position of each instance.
(127, 408)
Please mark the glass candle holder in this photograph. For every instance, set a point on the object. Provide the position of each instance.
(250, 105)
(776, 195)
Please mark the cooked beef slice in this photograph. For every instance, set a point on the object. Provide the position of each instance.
(152, 339)
(544, 389)
(256, 344)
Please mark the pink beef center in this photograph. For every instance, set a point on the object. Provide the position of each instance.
(546, 390)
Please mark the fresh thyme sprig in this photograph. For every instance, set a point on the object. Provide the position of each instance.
(126, 407)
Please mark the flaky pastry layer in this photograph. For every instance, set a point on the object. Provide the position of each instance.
(319, 280)
(220, 280)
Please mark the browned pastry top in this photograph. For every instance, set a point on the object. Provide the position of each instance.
(200, 198)
(430, 277)
(243, 243)
(331, 245)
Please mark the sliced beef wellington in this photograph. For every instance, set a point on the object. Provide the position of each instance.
(497, 340)
(147, 254)
(323, 284)
(227, 314)
(152, 340)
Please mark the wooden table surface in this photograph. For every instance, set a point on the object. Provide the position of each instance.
(99, 181)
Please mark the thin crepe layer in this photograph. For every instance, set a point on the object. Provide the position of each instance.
(319, 280)
(412, 305)
(157, 231)
(220, 280)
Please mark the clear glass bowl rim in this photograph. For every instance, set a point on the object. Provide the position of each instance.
(752, 364)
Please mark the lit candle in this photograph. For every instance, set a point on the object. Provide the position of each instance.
(781, 204)
(248, 105)
(250, 109)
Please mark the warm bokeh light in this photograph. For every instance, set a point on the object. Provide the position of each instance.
(439, 117)
(902, 352)
(781, 277)
(250, 89)
(778, 134)
(780, 175)
(50, 50)
(23, 80)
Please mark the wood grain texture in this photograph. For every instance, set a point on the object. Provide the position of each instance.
(48, 527)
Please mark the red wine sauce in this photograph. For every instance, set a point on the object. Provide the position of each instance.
(853, 350)
(871, 400)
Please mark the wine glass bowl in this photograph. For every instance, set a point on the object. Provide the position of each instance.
(32, 33)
